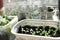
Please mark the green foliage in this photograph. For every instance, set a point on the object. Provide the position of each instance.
(42, 31)
(5, 19)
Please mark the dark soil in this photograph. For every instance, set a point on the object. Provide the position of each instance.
(41, 31)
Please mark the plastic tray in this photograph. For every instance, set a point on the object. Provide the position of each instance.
(36, 22)
(11, 23)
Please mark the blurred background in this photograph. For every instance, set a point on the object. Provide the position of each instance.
(30, 8)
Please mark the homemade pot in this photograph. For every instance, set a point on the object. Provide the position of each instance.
(35, 22)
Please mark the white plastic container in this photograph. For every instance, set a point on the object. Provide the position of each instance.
(11, 23)
(36, 22)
